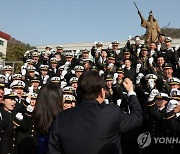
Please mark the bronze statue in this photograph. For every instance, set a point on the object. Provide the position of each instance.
(152, 27)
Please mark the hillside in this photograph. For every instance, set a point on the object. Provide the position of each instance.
(171, 32)
(16, 50)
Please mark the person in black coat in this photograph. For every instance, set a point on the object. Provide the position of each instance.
(92, 126)
(11, 122)
(129, 72)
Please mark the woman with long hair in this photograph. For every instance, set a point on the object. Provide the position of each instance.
(49, 104)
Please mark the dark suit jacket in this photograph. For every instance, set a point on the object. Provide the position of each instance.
(93, 128)
(131, 74)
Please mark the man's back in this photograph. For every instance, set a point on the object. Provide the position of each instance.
(92, 128)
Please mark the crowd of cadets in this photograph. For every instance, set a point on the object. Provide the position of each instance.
(154, 71)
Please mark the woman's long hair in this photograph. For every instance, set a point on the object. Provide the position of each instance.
(49, 103)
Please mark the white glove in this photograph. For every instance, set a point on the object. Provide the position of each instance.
(129, 37)
(153, 93)
(76, 53)
(29, 108)
(110, 46)
(36, 73)
(98, 51)
(1, 118)
(138, 66)
(73, 71)
(123, 66)
(110, 66)
(138, 51)
(45, 79)
(26, 53)
(115, 76)
(139, 77)
(63, 84)
(171, 105)
(66, 65)
(152, 52)
(159, 47)
(19, 116)
(106, 101)
(176, 47)
(24, 66)
(119, 102)
(48, 53)
(30, 89)
(179, 61)
(151, 59)
(64, 72)
(7, 77)
(28, 99)
(23, 72)
(101, 72)
(95, 43)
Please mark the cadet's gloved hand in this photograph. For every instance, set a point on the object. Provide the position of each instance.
(152, 95)
(151, 59)
(19, 116)
(110, 46)
(26, 53)
(176, 47)
(119, 102)
(101, 72)
(152, 52)
(139, 77)
(159, 47)
(123, 66)
(64, 72)
(7, 77)
(30, 89)
(171, 105)
(63, 84)
(45, 79)
(23, 72)
(138, 51)
(179, 61)
(72, 71)
(95, 43)
(66, 65)
(114, 78)
(76, 53)
(29, 108)
(28, 99)
(106, 101)
(98, 51)
(110, 66)
(36, 73)
(138, 66)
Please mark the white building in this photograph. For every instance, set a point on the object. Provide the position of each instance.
(80, 46)
(3, 43)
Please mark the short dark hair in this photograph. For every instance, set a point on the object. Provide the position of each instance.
(128, 59)
(90, 84)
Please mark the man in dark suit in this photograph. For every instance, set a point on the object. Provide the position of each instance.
(129, 71)
(93, 127)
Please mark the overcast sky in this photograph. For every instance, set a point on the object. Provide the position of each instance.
(40, 22)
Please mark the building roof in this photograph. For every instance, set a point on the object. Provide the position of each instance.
(4, 35)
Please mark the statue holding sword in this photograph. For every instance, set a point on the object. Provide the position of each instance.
(152, 27)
